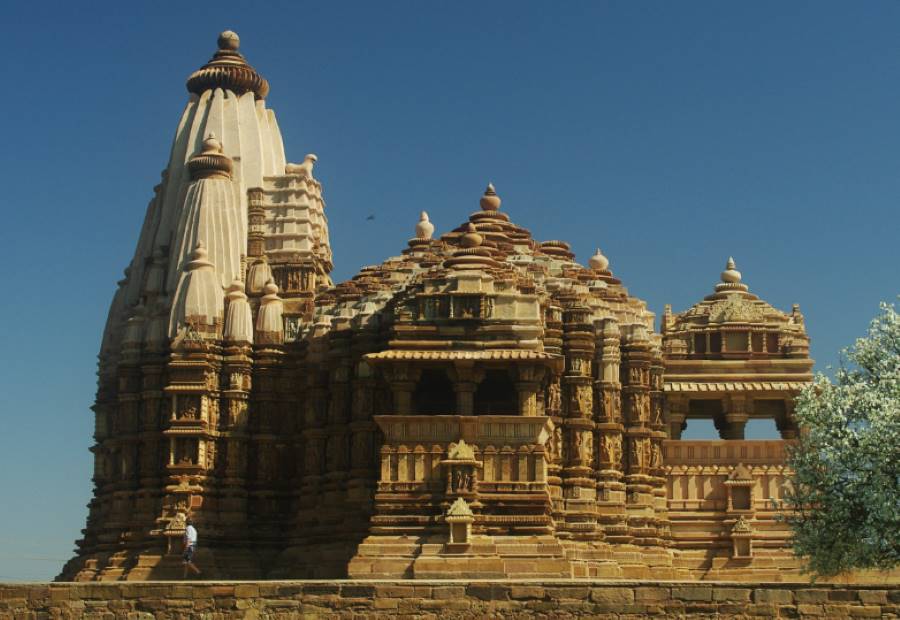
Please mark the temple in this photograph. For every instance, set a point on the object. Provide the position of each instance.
(480, 405)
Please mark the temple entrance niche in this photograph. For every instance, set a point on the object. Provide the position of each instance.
(496, 394)
(434, 393)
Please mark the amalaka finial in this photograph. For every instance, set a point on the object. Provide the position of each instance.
(228, 70)
(731, 275)
(270, 288)
(211, 161)
(424, 228)
(229, 40)
(490, 201)
(598, 262)
(199, 258)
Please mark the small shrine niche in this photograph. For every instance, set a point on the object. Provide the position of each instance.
(742, 539)
(459, 517)
(461, 469)
(739, 486)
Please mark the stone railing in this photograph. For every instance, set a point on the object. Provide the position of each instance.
(697, 471)
(508, 450)
(722, 452)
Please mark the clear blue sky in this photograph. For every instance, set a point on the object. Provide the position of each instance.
(670, 134)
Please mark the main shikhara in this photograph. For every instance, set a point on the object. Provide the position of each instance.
(480, 405)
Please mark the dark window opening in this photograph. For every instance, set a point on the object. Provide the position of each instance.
(700, 343)
(715, 343)
(434, 394)
(740, 498)
(496, 394)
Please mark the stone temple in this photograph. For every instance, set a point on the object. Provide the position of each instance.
(480, 405)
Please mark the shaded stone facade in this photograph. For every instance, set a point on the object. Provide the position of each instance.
(479, 405)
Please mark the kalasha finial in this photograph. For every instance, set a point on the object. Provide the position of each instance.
(471, 239)
(424, 228)
(229, 40)
(731, 275)
(490, 201)
(598, 262)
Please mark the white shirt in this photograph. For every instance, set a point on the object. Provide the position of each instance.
(190, 535)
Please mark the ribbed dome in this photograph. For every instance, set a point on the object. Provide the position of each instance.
(228, 70)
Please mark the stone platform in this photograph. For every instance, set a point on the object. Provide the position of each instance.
(544, 598)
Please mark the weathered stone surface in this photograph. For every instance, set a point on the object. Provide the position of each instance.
(773, 596)
(692, 593)
(622, 600)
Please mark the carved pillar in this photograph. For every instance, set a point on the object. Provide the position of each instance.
(579, 487)
(786, 424)
(636, 362)
(736, 416)
(236, 372)
(465, 379)
(402, 379)
(610, 475)
(676, 407)
(527, 387)
(256, 216)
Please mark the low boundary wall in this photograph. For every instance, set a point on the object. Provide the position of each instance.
(447, 599)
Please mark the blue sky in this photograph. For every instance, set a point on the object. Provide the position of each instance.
(670, 134)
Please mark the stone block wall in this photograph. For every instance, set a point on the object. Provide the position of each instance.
(447, 599)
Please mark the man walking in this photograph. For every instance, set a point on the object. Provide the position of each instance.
(190, 546)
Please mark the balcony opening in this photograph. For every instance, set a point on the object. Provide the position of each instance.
(762, 429)
(496, 395)
(699, 429)
(434, 394)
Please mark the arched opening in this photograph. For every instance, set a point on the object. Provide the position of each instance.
(434, 394)
(496, 395)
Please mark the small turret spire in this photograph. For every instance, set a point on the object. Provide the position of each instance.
(598, 262)
(424, 228)
(490, 201)
(210, 161)
(731, 279)
(731, 275)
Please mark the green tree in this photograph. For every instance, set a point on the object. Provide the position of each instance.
(845, 493)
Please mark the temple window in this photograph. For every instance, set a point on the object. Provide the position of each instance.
(700, 343)
(434, 394)
(736, 341)
(715, 343)
(756, 341)
(496, 394)
(772, 343)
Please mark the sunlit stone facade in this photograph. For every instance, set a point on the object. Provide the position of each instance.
(480, 405)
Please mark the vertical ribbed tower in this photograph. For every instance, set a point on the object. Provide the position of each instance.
(233, 246)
